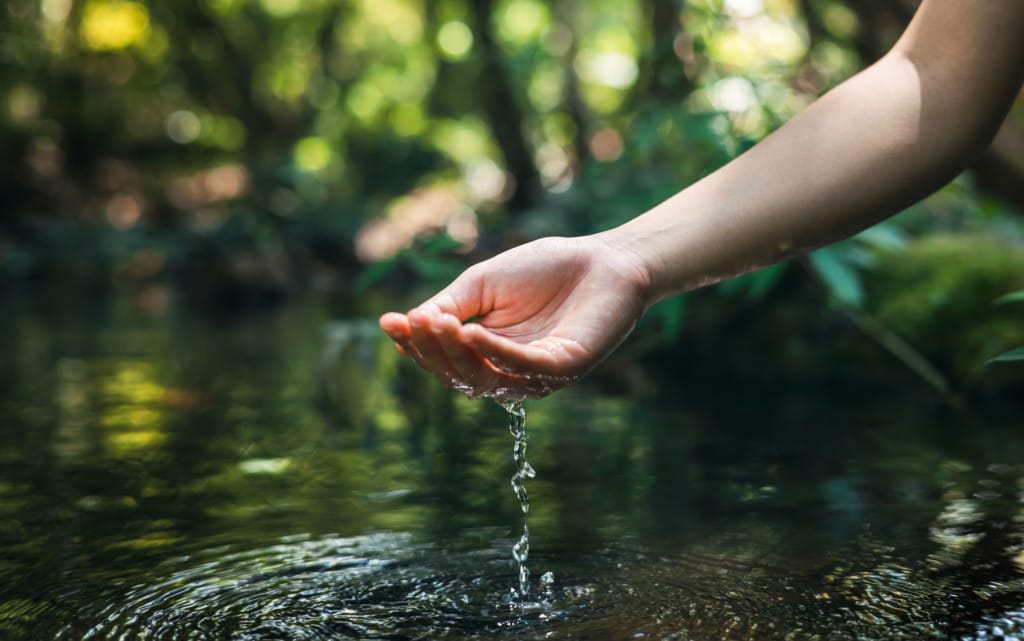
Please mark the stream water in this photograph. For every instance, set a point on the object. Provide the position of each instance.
(521, 549)
(164, 477)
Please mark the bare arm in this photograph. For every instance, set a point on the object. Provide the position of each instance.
(875, 144)
(549, 311)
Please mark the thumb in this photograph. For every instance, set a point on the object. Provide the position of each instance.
(465, 297)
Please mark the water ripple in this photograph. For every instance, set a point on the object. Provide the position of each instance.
(396, 587)
(383, 586)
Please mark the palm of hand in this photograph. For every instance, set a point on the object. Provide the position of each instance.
(546, 313)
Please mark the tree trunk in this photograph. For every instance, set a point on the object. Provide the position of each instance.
(504, 116)
(574, 107)
(664, 76)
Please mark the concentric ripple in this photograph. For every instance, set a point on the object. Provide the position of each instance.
(397, 587)
(383, 586)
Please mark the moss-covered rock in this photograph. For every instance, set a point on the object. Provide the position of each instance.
(938, 294)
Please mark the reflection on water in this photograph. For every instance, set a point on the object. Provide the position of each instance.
(289, 478)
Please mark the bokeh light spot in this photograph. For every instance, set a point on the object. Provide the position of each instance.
(522, 20)
(840, 20)
(280, 8)
(313, 154)
(744, 8)
(733, 94)
(108, 26)
(55, 10)
(183, 127)
(611, 69)
(365, 101)
(229, 134)
(547, 86)
(454, 39)
(123, 211)
(23, 104)
(606, 144)
(485, 180)
(408, 119)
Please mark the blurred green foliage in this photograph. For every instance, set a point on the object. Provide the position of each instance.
(253, 149)
(938, 293)
(1016, 354)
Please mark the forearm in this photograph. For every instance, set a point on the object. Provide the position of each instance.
(864, 151)
(852, 158)
(872, 146)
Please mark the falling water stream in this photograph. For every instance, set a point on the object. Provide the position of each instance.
(523, 471)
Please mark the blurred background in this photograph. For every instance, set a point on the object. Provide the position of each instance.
(205, 204)
(234, 158)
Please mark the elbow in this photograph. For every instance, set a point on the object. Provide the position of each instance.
(977, 131)
(960, 113)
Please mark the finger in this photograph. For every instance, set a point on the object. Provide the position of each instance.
(517, 388)
(468, 366)
(427, 349)
(508, 355)
(465, 297)
(407, 349)
(479, 377)
(396, 326)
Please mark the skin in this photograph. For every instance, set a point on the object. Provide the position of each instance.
(548, 312)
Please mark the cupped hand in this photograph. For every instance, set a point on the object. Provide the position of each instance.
(528, 321)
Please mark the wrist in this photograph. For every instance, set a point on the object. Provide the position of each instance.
(637, 262)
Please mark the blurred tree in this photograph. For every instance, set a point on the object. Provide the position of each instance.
(502, 108)
(257, 146)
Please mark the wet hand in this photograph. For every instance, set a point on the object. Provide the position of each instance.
(543, 315)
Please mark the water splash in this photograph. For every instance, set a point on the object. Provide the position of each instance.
(521, 549)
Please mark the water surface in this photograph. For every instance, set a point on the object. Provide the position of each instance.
(286, 477)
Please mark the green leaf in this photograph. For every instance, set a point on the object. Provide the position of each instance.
(1012, 297)
(841, 280)
(885, 235)
(440, 244)
(375, 272)
(763, 280)
(755, 284)
(1005, 357)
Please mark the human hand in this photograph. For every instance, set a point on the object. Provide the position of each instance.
(543, 315)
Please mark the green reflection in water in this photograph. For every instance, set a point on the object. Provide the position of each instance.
(148, 461)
